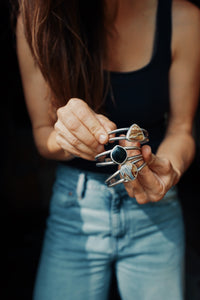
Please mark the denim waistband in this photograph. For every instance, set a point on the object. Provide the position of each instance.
(80, 179)
(95, 180)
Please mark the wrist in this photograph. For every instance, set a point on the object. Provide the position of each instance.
(45, 140)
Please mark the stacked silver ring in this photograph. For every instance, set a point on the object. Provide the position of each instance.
(118, 155)
(134, 134)
(128, 172)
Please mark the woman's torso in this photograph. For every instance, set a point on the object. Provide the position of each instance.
(139, 62)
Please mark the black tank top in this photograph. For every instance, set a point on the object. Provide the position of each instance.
(141, 96)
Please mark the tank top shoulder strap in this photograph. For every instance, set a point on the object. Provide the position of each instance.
(162, 45)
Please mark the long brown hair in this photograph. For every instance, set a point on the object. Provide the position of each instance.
(67, 40)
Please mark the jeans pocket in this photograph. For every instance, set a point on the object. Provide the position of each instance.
(69, 192)
(63, 197)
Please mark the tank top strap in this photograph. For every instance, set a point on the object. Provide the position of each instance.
(162, 45)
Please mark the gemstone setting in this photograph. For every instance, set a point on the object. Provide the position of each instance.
(128, 171)
(119, 155)
(135, 133)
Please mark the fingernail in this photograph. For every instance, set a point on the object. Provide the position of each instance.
(102, 138)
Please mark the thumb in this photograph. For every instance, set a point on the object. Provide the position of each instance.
(157, 164)
(147, 154)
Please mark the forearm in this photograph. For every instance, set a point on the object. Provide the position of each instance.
(45, 140)
(179, 148)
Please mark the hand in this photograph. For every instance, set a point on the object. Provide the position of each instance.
(154, 180)
(80, 131)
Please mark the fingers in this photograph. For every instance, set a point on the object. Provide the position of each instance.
(125, 143)
(79, 114)
(136, 190)
(73, 144)
(106, 123)
(155, 163)
(147, 187)
(83, 131)
(151, 180)
(151, 183)
(66, 146)
(161, 167)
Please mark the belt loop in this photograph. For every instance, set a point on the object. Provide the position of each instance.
(81, 184)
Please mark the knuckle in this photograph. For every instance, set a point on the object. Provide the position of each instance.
(74, 102)
(62, 113)
(72, 125)
(113, 125)
(92, 143)
(79, 108)
(168, 165)
(158, 196)
(100, 116)
(142, 198)
(94, 129)
(108, 124)
(74, 141)
(82, 112)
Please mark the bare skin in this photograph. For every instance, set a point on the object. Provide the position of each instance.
(81, 132)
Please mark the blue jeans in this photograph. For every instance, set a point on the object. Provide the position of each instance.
(92, 227)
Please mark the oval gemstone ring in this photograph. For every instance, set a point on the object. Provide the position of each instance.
(128, 172)
(118, 155)
(134, 133)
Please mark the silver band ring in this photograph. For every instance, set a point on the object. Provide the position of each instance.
(134, 133)
(123, 167)
(128, 172)
(110, 162)
(118, 154)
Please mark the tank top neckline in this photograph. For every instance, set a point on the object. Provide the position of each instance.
(153, 51)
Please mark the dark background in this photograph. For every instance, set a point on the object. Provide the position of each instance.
(26, 181)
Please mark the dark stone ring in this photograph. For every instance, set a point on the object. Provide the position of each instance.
(118, 155)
